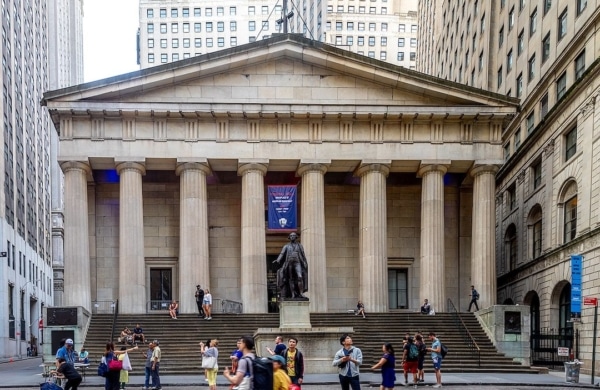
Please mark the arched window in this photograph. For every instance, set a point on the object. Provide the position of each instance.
(534, 225)
(565, 326)
(510, 245)
(569, 206)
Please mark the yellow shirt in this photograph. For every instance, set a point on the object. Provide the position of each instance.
(281, 381)
(291, 363)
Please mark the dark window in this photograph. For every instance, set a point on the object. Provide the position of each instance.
(533, 22)
(531, 67)
(547, 6)
(581, 4)
(511, 197)
(561, 86)
(510, 240)
(562, 25)
(520, 85)
(570, 225)
(546, 48)
(580, 65)
(543, 106)
(536, 173)
(530, 122)
(571, 143)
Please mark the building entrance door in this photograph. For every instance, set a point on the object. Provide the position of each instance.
(161, 288)
(398, 288)
(273, 293)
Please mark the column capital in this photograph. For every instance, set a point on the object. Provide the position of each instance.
(366, 166)
(246, 165)
(433, 165)
(197, 166)
(483, 167)
(312, 166)
(131, 165)
(71, 165)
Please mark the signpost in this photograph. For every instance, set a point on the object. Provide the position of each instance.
(591, 301)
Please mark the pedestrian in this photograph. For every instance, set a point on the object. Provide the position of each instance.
(348, 359)
(209, 351)
(148, 367)
(422, 352)
(387, 363)
(124, 375)
(410, 360)
(436, 358)
(281, 380)
(360, 309)
(155, 367)
(243, 376)
(207, 305)
(279, 346)
(199, 300)
(113, 376)
(235, 357)
(68, 371)
(294, 362)
(474, 298)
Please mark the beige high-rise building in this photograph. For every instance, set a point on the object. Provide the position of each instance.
(544, 53)
(41, 48)
(382, 29)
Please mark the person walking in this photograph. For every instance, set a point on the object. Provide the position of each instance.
(200, 300)
(387, 363)
(148, 367)
(436, 358)
(348, 360)
(474, 298)
(155, 367)
(294, 362)
(112, 376)
(207, 352)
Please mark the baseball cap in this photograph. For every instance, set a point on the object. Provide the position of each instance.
(69, 341)
(278, 359)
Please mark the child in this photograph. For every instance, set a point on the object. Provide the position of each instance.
(69, 372)
(124, 374)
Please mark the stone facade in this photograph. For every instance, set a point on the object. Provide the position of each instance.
(180, 156)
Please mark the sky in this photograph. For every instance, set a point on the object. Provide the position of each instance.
(109, 38)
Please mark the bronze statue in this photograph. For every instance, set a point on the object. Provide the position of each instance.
(292, 277)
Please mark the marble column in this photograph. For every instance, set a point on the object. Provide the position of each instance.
(432, 274)
(253, 275)
(373, 235)
(483, 249)
(77, 291)
(132, 267)
(193, 232)
(313, 231)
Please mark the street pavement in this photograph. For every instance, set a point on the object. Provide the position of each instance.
(26, 374)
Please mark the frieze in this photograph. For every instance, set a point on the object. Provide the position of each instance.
(588, 107)
(549, 148)
(521, 177)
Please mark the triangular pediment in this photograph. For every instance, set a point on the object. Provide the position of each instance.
(286, 69)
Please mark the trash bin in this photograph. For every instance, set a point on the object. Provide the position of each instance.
(572, 371)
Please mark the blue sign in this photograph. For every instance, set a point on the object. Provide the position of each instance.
(576, 265)
(282, 207)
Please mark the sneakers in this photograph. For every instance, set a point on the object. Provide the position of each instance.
(436, 386)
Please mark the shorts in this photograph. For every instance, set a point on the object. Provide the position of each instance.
(420, 363)
(437, 363)
(411, 366)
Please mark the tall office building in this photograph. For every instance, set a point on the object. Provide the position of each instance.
(382, 29)
(173, 30)
(545, 53)
(30, 41)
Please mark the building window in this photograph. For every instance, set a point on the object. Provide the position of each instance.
(209, 42)
(561, 86)
(413, 42)
(175, 43)
(340, 8)
(175, 57)
(544, 106)
(185, 12)
(232, 11)
(252, 25)
(474, 46)
(517, 138)
(197, 11)
(349, 40)
(150, 28)
(510, 241)
(384, 27)
(506, 151)
(531, 67)
(149, 13)
(570, 216)
(520, 42)
(164, 58)
(265, 25)
(546, 48)
(197, 27)
(482, 24)
(499, 79)
(371, 41)
(265, 9)
(581, 4)
(338, 40)
(519, 85)
(163, 43)
(400, 42)
(547, 6)
(150, 43)
(361, 26)
(384, 10)
(562, 25)
(501, 37)
(361, 41)
(511, 18)
(208, 12)
(521, 4)
(401, 28)
(209, 26)
(383, 41)
(186, 42)
(251, 10)
(413, 56)
(571, 143)
(220, 11)
(511, 200)
(400, 56)
(151, 58)
(383, 56)
(533, 22)
(233, 25)
(371, 54)
(163, 12)
(536, 173)
(509, 61)
(350, 26)
(530, 122)
(372, 27)
(413, 28)
(535, 230)
(480, 61)
(220, 26)
(174, 13)
(580, 65)
(233, 41)
(338, 26)
(186, 27)
(351, 9)
(174, 27)
(163, 28)
(221, 42)
(198, 42)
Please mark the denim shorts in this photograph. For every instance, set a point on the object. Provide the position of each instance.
(437, 363)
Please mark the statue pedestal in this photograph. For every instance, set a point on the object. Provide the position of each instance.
(294, 314)
(318, 345)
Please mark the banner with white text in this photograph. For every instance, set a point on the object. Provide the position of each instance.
(282, 207)
(576, 264)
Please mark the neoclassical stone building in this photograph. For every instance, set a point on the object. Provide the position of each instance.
(166, 172)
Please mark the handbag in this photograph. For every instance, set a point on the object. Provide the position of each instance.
(115, 365)
(127, 363)
(209, 362)
(102, 367)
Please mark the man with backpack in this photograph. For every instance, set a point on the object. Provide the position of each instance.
(410, 360)
(436, 358)
(474, 299)
(252, 373)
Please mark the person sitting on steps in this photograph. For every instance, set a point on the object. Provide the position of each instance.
(174, 309)
(360, 309)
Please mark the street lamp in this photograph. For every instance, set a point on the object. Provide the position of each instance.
(18, 334)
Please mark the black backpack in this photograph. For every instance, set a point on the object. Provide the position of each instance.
(443, 350)
(262, 373)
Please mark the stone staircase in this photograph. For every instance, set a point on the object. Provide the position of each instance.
(181, 354)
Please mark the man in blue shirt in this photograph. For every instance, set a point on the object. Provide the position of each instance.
(66, 352)
(436, 357)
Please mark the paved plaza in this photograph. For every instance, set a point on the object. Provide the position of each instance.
(26, 374)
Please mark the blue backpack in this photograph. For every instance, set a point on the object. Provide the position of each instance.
(102, 368)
